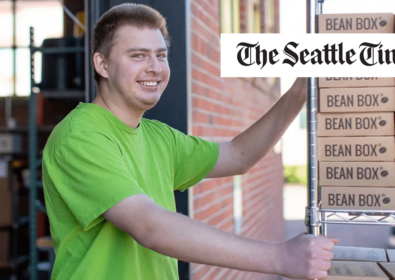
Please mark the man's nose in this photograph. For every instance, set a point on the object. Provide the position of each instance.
(154, 65)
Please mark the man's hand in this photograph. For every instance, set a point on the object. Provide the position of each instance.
(306, 257)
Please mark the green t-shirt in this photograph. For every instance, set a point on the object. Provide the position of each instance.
(92, 161)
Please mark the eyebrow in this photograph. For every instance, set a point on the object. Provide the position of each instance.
(146, 50)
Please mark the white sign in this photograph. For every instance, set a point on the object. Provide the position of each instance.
(308, 55)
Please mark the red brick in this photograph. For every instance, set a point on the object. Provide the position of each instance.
(203, 103)
(207, 196)
(210, 8)
(201, 28)
(206, 207)
(221, 217)
(202, 272)
(208, 67)
(198, 117)
(228, 122)
(206, 186)
(221, 109)
(200, 90)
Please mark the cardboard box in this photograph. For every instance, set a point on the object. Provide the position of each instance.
(5, 241)
(356, 148)
(362, 254)
(336, 82)
(391, 255)
(5, 203)
(357, 174)
(10, 143)
(355, 198)
(355, 124)
(356, 23)
(389, 269)
(343, 270)
(373, 99)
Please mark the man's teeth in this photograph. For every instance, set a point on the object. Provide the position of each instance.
(149, 84)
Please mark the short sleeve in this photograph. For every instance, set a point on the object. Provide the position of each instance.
(195, 158)
(91, 176)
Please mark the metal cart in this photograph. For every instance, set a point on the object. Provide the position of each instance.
(317, 218)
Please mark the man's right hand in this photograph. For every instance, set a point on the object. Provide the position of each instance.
(178, 236)
(306, 257)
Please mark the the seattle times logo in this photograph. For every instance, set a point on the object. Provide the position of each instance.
(308, 55)
(250, 54)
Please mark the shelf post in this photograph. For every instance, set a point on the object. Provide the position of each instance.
(312, 220)
(32, 164)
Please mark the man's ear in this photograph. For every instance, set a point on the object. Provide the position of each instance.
(100, 64)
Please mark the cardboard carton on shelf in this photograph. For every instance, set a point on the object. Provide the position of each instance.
(358, 198)
(351, 82)
(356, 148)
(372, 99)
(357, 174)
(391, 255)
(355, 124)
(347, 253)
(389, 269)
(356, 23)
(10, 143)
(345, 270)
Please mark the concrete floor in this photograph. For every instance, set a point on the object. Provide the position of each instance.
(295, 201)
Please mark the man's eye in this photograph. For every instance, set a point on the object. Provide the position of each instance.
(162, 55)
(138, 55)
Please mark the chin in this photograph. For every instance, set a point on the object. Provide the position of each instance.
(147, 107)
(149, 104)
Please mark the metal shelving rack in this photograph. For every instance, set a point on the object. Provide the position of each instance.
(35, 160)
(34, 163)
(312, 218)
(18, 221)
(317, 218)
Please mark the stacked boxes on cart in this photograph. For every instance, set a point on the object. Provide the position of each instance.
(356, 148)
(356, 129)
(362, 263)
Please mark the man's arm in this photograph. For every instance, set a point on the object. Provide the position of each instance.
(249, 147)
(180, 237)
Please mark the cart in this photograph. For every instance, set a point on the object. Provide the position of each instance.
(317, 218)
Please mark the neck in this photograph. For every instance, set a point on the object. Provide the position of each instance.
(130, 116)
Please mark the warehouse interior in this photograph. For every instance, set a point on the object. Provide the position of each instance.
(46, 60)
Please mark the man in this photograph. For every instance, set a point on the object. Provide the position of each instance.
(109, 174)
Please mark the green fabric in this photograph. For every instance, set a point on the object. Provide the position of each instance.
(91, 162)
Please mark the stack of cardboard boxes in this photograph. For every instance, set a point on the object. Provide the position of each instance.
(362, 263)
(389, 267)
(356, 143)
(356, 146)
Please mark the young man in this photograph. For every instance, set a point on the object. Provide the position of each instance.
(109, 174)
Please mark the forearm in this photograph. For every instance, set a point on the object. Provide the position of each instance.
(175, 235)
(255, 142)
(189, 240)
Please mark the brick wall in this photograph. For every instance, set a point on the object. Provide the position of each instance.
(221, 109)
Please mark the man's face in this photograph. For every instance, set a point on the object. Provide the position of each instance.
(137, 66)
